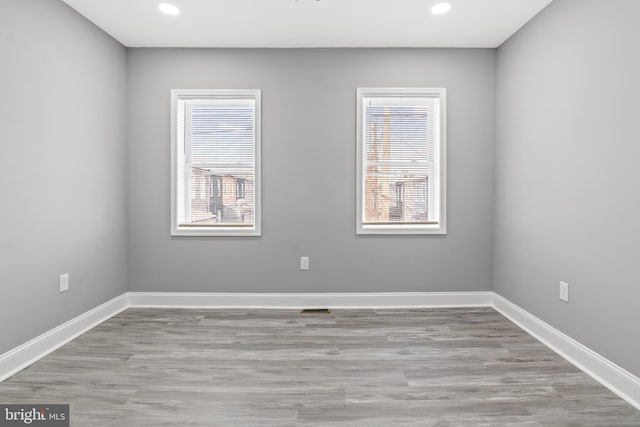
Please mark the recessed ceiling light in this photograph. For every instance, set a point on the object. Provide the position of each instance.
(441, 8)
(169, 9)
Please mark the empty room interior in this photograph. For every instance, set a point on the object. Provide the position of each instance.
(320, 213)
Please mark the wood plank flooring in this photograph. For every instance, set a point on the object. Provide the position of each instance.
(432, 367)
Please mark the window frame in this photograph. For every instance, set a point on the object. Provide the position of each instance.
(400, 229)
(204, 94)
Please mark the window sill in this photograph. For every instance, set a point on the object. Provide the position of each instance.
(215, 232)
(435, 229)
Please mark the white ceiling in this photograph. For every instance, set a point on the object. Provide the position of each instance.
(309, 23)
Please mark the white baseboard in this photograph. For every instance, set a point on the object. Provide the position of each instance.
(607, 373)
(621, 382)
(30, 352)
(309, 300)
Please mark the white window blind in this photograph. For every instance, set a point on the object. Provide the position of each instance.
(216, 162)
(400, 161)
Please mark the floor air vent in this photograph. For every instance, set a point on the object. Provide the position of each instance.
(314, 310)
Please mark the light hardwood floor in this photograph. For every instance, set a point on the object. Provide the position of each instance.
(432, 367)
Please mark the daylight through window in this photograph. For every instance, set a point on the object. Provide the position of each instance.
(216, 151)
(401, 161)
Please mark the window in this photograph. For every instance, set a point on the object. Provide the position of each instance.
(401, 161)
(240, 188)
(215, 156)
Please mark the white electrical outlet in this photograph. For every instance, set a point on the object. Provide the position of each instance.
(64, 282)
(304, 263)
(564, 291)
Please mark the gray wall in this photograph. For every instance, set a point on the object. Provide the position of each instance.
(309, 173)
(567, 198)
(62, 167)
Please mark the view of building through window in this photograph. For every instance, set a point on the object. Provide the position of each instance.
(216, 162)
(219, 198)
(398, 162)
(222, 162)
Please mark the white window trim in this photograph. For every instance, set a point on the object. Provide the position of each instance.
(176, 95)
(401, 229)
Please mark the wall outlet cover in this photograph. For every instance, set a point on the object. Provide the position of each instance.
(564, 291)
(64, 282)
